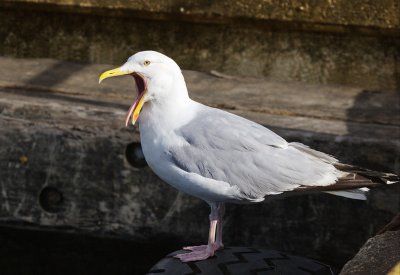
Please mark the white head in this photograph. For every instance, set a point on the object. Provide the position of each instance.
(157, 78)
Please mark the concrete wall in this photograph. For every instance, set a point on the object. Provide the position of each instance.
(340, 42)
(342, 13)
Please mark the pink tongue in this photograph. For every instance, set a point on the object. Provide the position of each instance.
(131, 109)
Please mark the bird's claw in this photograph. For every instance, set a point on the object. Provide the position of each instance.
(198, 253)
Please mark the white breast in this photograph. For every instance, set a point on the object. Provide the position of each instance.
(157, 134)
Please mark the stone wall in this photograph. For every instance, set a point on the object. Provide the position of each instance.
(339, 42)
(65, 157)
(67, 164)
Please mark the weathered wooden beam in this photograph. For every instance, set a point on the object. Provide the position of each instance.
(64, 148)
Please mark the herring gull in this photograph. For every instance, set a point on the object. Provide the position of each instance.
(220, 157)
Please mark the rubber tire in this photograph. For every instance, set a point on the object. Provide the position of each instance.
(242, 260)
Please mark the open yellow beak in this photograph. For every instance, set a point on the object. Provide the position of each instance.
(113, 72)
(140, 82)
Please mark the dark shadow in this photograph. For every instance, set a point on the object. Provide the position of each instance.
(32, 251)
(41, 92)
(56, 74)
(375, 118)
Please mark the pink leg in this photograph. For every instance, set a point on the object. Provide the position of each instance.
(203, 252)
(221, 211)
(218, 243)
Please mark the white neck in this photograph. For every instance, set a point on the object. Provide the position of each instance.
(170, 110)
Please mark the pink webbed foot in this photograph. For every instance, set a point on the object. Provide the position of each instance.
(195, 248)
(204, 246)
(198, 253)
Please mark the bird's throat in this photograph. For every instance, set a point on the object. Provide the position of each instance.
(168, 114)
(137, 105)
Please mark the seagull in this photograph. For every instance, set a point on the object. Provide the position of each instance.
(220, 157)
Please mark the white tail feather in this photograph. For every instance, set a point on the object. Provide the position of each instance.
(355, 194)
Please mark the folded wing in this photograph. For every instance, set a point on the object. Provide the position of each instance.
(225, 147)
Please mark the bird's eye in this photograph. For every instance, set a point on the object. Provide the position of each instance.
(146, 63)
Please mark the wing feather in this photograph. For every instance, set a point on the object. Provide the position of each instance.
(225, 147)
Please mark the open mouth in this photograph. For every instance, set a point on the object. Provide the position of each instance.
(137, 105)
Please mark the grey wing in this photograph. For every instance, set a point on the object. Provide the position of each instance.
(225, 147)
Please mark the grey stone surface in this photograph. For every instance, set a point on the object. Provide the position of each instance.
(277, 49)
(377, 257)
(382, 14)
(60, 129)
